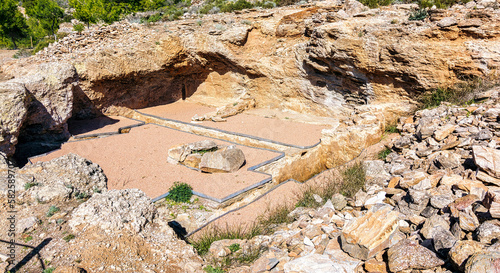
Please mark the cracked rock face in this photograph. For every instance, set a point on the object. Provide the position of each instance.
(115, 210)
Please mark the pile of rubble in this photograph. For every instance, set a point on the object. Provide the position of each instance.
(432, 206)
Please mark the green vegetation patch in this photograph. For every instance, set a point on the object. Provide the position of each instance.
(353, 180)
(180, 192)
(52, 210)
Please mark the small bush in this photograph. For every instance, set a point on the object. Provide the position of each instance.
(79, 28)
(49, 270)
(211, 269)
(418, 15)
(353, 180)
(42, 44)
(376, 3)
(202, 245)
(440, 4)
(180, 192)
(69, 237)
(27, 239)
(22, 53)
(52, 211)
(384, 153)
(234, 247)
(391, 128)
(29, 185)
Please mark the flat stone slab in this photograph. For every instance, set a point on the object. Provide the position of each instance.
(283, 131)
(139, 160)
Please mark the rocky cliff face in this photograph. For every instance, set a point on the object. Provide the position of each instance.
(323, 58)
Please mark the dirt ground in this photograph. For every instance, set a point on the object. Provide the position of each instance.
(139, 160)
(267, 127)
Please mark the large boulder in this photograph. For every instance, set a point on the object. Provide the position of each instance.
(487, 159)
(115, 210)
(14, 102)
(365, 236)
(408, 254)
(67, 176)
(488, 261)
(37, 104)
(228, 160)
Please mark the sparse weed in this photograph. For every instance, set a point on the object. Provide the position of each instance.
(52, 211)
(384, 153)
(353, 180)
(69, 237)
(29, 185)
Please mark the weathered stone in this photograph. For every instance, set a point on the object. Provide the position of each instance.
(488, 231)
(179, 153)
(444, 131)
(443, 239)
(221, 248)
(373, 265)
(114, 210)
(487, 178)
(14, 102)
(365, 236)
(339, 201)
(484, 135)
(492, 202)
(402, 142)
(448, 160)
(429, 228)
(487, 159)
(236, 35)
(374, 169)
(228, 159)
(447, 22)
(488, 261)
(26, 224)
(468, 220)
(408, 254)
(192, 160)
(67, 176)
(412, 178)
(461, 252)
(319, 263)
(203, 145)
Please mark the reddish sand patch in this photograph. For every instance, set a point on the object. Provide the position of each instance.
(283, 131)
(139, 160)
(99, 125)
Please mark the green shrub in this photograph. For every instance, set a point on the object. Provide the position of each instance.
(353, 180)
(79, 28)
(418, 15)
(211, 269)
(49, 270)
(29, 185)
(234, 247)
(384, 153)
(42, 44)
(180, 192)
(391, 128)
(52, 211)
(69, 237)
(376, 3)
(440, 4)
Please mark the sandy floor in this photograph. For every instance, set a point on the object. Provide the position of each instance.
(139, 160)
(99, 125)
(284, 131)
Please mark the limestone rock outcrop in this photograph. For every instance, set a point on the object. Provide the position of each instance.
(43, 99)
(115, 210)
(14, 102)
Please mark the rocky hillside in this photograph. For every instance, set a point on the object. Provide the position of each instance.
(433, 205)
(324, 58)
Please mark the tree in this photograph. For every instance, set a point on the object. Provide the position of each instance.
(47, 12)
(86, 11)
(12, 22)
